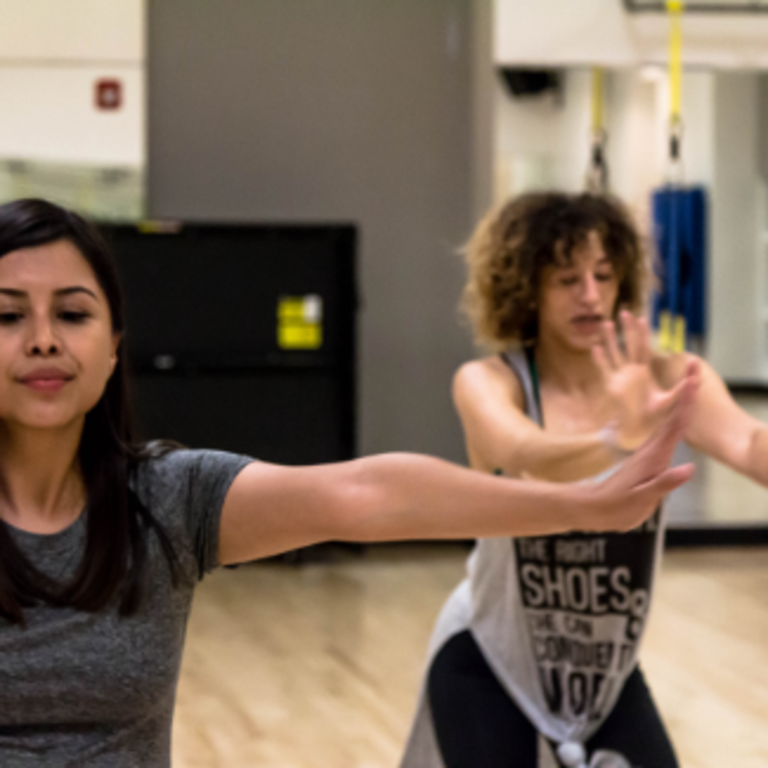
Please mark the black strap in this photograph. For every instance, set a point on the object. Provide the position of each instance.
(531, 358)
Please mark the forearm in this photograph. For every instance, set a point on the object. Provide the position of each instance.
(740, 443)
(404, 496)
(561, 458)
(756, 465)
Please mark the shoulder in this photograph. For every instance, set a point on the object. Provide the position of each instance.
(184, 474)
(184, 490)
(489, 377)
(161, 463)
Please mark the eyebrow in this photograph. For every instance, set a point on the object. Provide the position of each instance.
(15, 293)
(570, 265)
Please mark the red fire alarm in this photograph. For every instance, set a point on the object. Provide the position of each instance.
(109, 94)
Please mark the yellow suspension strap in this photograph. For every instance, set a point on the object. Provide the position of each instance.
(675, 11)
(672, 327)
(597, 173)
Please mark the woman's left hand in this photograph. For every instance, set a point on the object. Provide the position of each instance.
(639, 403)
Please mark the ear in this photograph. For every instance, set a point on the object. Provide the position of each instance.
(116, 339)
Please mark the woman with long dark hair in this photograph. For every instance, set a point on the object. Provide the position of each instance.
(102, 540)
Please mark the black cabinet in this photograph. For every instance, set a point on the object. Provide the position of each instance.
(243, 337)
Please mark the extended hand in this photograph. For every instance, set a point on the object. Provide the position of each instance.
(632, 493)
(639, 404)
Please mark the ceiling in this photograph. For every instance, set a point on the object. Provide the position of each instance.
(721, 34)
(700, 6)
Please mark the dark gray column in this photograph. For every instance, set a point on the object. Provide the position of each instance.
(334, 110)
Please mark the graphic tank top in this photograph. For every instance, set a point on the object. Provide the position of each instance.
(567, 626)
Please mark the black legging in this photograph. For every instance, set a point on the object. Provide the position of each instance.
(477, 723)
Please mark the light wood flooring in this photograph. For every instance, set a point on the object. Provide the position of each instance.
(318, 665)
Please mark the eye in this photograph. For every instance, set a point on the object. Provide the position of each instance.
(604, 277)
(73, 316)
(569, 280)
(10, 318)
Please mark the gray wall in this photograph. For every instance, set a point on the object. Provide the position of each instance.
(736, 292)
(334, 110)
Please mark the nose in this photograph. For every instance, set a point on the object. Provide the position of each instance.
(590, 293)
(42, 341)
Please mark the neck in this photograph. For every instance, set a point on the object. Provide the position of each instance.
(568, 369)
(41, 488)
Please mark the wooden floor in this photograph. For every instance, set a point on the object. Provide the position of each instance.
(318, 665)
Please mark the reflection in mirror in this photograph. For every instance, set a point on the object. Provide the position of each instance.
(104, 192)
(543, 140)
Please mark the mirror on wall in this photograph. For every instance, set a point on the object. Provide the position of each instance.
(543, 141)
(72, 86)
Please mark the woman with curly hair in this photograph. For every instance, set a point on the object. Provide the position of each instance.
(542, 637)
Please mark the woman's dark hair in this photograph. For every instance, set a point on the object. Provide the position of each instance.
(514, 244)
(118, 524)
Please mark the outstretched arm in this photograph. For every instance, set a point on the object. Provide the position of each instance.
(499, 435)
(723, 430)
(271, 509)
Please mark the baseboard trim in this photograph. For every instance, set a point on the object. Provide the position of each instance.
(716, 536)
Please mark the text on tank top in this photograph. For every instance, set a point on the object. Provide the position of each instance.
(585, 596)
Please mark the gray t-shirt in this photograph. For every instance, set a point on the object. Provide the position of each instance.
(95, 689)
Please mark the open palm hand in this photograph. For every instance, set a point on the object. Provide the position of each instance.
(632, 493)
(639, 404)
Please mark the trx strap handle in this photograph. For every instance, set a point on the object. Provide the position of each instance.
(597, 172)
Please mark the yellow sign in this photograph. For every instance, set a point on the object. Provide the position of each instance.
(299, 322)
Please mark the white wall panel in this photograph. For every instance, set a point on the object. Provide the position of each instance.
(568, 32)
(49, 114)
(52, 52)
(110, 30)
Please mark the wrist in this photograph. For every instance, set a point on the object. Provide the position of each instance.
(615, 443)
(583, 508)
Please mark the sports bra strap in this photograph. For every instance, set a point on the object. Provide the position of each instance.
(523, 364)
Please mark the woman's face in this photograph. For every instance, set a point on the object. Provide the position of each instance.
(57, 348)
(576, 297)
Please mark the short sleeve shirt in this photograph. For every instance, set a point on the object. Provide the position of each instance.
(97, 689)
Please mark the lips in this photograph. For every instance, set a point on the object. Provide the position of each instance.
(46, 379)
(587, 325)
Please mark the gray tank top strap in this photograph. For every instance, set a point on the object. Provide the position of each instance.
(517, 360)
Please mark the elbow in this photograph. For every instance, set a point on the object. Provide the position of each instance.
(517, 460)
(358, 505)
(377, 501)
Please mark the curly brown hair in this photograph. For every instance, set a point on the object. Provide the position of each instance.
(512, 246)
